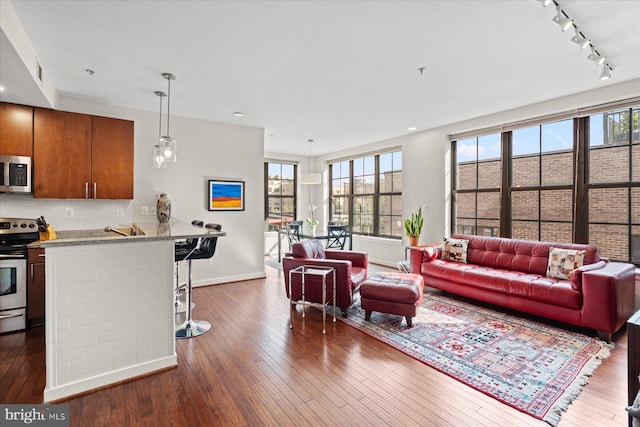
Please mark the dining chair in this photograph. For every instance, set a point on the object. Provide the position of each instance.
(294, 232)
(337, 236)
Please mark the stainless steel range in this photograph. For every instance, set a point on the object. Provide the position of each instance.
(15, 235)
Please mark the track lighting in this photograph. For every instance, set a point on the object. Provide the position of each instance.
(596, 57)
(561, 19)
(564, 21)
(580, 40)
(605, 74)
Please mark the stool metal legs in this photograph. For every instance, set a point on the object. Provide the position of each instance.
(191, 328)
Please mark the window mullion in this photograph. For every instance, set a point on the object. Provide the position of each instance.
(581, 190)
(505, 186)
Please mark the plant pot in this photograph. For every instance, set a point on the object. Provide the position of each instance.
(413, 241)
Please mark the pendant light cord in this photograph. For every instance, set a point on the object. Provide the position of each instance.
(160, 95)
(168, 102)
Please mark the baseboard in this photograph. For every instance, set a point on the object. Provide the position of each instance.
(89, 384)
(229, 279)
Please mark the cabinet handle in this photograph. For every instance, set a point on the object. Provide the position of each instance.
(32, 272)
(10, 315)
(86, 190)
(95, 191)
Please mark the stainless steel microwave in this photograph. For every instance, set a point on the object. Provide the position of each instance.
(15, 174)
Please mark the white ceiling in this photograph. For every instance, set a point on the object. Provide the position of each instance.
(344, 73)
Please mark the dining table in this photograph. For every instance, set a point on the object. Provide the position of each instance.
(308, 233)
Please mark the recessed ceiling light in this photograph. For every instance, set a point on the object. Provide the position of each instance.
(238, 113)
(412, 128)
(2, 88)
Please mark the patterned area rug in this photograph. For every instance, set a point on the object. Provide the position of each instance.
(535, 368)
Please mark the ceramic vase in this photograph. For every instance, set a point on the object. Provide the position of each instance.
(163, 208)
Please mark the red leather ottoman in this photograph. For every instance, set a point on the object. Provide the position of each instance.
(393, 293)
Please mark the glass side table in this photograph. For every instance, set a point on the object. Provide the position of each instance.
(313, 270)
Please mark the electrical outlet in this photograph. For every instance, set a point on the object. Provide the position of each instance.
(152, 210)
(144, 211)
(120, 212)
(68, 212)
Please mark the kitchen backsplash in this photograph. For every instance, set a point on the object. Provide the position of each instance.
(68, 214)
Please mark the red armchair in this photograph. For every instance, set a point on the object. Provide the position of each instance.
(351, 268)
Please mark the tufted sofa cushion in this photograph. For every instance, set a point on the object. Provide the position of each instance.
(508, 282)
(308, 249)
(518, 255)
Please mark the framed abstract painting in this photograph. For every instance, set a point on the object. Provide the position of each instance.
(226, 195)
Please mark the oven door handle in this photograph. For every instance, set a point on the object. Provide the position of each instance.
(9, 316)
(11, 256)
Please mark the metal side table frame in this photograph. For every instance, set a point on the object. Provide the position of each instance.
(313, 270)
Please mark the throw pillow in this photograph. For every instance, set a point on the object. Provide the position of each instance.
(308, 249)
(454, 250)
(563, 261)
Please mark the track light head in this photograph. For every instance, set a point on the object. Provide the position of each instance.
(595, 57)
(605, 74)
(545, 3)
(580, 40)
(561, 20)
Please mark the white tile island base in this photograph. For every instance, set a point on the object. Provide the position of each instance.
(109, 311)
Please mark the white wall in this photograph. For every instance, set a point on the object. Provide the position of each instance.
(206, 150)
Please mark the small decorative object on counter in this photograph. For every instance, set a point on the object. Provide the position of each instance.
(163, 229)
(164, 208)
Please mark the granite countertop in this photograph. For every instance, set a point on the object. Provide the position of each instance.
(152, 231)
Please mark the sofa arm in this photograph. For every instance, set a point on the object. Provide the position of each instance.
(608, 296)
(576, 275)
(342, 267)
(358, 259)
(421, 254)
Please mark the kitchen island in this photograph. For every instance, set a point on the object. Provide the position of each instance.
(110, 306)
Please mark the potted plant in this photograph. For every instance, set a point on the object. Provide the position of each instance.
(413, 227)
(311, 219)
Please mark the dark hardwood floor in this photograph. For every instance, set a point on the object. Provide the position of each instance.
(252, 370)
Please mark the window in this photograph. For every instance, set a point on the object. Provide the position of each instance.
(366, 194)
(573, 180)
(340, 192)
(280, 194)
(614, 184)
(478, 177)
(542, 182)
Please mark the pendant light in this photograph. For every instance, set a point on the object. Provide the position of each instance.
(310, 178)
(157, 154)
(168, 143)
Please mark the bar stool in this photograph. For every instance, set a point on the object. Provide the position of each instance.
(182, 248)
(201, 248)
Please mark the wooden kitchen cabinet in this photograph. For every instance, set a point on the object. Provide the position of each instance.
(35, 286)
(79, 156)
(111, 158)
(61, 154)
(16, 130)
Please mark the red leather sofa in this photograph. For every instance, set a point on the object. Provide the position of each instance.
(351, 268)
(512, 273)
